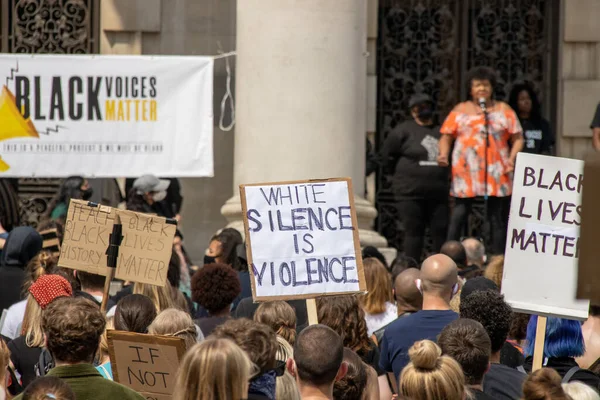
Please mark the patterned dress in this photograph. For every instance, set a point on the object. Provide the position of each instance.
(466, 123)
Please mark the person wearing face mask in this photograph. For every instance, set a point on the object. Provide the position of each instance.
(420, 185)
(74, 187)
(147, 196)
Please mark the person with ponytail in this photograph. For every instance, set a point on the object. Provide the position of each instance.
(43, 264)
(27, 348)
(279, 316)
(544, 384)
(430, 375)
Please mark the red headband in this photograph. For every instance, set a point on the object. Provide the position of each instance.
(49, 287)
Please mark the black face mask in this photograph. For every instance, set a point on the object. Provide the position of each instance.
(425, 113)
(87, 193)
(209, 259)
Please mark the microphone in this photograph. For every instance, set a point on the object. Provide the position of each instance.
(482, 104)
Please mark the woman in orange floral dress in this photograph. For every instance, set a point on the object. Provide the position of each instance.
(465, 126)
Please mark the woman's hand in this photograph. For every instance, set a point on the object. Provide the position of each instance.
(510, 167)
(442, 160)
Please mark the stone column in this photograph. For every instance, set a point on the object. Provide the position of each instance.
(301, 97)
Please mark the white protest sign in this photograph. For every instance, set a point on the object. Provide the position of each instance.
(302, 239)
(542, 248)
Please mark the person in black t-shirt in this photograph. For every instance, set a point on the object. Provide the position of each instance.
(537, 133)
(420, 186)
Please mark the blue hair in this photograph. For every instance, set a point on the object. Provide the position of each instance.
(563, 338)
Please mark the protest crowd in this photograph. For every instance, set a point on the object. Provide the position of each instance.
(428, 326)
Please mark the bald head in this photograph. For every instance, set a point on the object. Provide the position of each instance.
(408, 296)
(438, 275)
(475, 251)
(456, 251)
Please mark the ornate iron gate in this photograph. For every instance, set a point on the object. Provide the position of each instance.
(428, 46)
(46, 26)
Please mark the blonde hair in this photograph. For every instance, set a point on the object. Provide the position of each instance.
(32, 323)
(379, 286)
(279, 316)
(286, 387)
(41, 264)
(495, 270)
(216, 369)
(580, 391)
(110, 324)
(285, 351)
(176, 323)
(430, 375)
(160, 295)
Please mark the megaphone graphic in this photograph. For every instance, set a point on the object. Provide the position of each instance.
(12, 123)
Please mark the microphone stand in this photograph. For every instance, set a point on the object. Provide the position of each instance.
(486, 223)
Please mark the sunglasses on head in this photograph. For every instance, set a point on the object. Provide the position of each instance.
(279, 368)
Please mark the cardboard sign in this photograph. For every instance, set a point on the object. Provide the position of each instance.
(302, 239)
(144, 253)
(542, 247)
(145, 363)
(588, 277)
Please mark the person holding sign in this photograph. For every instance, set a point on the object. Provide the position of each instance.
(487, 137)
(420, 185)
(563, 342)
(73, 327)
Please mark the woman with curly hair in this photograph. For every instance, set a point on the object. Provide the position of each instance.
(4, 364)
(344, 315)
(215, 287)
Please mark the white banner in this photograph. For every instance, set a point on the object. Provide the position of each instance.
(302, 239)
(106, 116)
(542, 248)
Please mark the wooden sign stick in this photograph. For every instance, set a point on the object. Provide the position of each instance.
(540, 340)
(311, 309)
(109, 277)
(113, 253)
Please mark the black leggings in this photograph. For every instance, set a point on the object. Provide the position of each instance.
(496, 216)
(416, 215)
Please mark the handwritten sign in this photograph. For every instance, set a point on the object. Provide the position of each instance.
(542, 249)
(302, 239)
(145, 363)
(144, 253)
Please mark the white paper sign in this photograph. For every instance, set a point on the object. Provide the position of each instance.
(302, 239)
(542, 248)
(105, 116)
